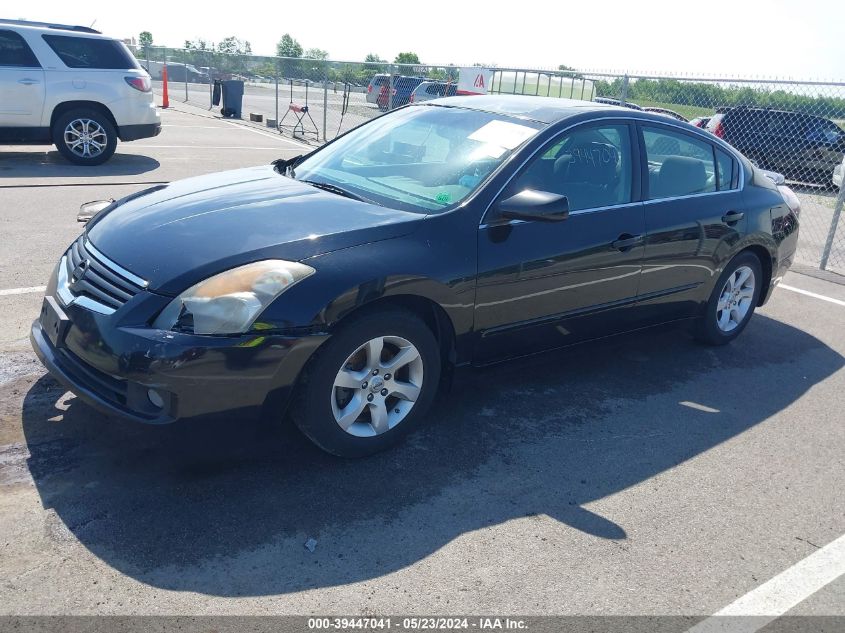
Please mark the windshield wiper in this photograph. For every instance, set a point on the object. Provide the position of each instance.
(325, 186)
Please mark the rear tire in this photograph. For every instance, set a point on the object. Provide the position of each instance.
(732, 302)
(370, 385)
(85, 136)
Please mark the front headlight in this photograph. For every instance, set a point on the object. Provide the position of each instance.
(230, 302)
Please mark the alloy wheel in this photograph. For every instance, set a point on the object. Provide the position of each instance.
(377, 386)
(85, 138)
(735, 299)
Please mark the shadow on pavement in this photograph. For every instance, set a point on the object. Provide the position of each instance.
(223, 506)
(50, 164)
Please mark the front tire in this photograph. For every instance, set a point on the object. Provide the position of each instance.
(85, 137)
(732, 302)
(370, 386)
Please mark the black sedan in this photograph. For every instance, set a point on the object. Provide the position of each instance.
(341, 288)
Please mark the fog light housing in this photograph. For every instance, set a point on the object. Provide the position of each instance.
(155, 398)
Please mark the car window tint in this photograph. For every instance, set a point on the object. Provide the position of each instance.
(15, 52)
(590, 166)
(725, 164)
(86, 52)
(678, 165)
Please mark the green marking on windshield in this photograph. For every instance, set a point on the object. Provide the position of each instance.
(444, 197)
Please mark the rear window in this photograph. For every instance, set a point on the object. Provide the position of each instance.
(87, 52)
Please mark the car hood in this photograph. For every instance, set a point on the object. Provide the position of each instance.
(174, 236)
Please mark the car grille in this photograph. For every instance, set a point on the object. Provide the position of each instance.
(100, 280)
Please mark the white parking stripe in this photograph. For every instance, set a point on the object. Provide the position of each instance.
(273, 149)
(838, 302)
(278, 137)
(22, 291)
(780, 594)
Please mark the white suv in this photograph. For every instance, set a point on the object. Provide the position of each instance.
(72, 87)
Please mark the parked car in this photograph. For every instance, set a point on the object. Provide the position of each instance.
(176, 71)
(458, 232)
(838, 174)
(375, 86)
(429, 90)
(804, 147)
(402, 89)
(617, 102)
(700, 121)
(667, 112)
(74, 88)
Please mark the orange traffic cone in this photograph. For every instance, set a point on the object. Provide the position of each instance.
(165, 101)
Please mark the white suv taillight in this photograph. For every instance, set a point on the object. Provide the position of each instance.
(142, 84)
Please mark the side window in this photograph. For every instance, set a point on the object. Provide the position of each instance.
(678, 165)
(590, 166)
(725, 164)
(15, 52)
(87, 52)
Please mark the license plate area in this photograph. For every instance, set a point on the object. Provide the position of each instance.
(54, 321)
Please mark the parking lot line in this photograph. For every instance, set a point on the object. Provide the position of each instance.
(267, 134)
(203, 147)
(22, 291)
(780, 594)
(838, 302)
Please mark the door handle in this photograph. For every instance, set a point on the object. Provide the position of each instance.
(626, 241)
(27, 81)
(732, 216)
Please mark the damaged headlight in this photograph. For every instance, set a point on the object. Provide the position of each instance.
(230, 302)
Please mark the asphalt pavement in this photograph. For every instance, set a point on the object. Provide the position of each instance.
(643, 474)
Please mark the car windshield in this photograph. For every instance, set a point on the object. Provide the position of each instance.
(425, 159)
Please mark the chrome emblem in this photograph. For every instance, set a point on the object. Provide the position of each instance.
(78, 272)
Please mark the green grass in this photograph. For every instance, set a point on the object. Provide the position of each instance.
(689, 112)
(506, 86)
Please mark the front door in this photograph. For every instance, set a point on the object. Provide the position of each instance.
(547, 284)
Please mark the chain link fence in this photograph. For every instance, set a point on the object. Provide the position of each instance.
(791, 127)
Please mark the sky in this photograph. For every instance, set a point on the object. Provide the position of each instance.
(788, 39)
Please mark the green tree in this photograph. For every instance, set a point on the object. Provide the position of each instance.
(288, 47)
(198, 45)
(374, 64)
(145, 39)
(314, 64)
(316, 53)
(233, 46)
(407, 58)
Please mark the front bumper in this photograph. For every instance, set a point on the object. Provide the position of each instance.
(113, 367)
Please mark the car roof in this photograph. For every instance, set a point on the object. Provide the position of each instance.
(48, 25)
(541, 109)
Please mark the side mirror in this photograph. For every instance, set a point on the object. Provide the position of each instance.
(530, 204)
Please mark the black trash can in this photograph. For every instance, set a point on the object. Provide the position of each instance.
(215, 92)
(233, 97)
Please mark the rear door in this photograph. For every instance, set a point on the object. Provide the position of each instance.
(693, 218)
(547, 284)
(21, 87)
